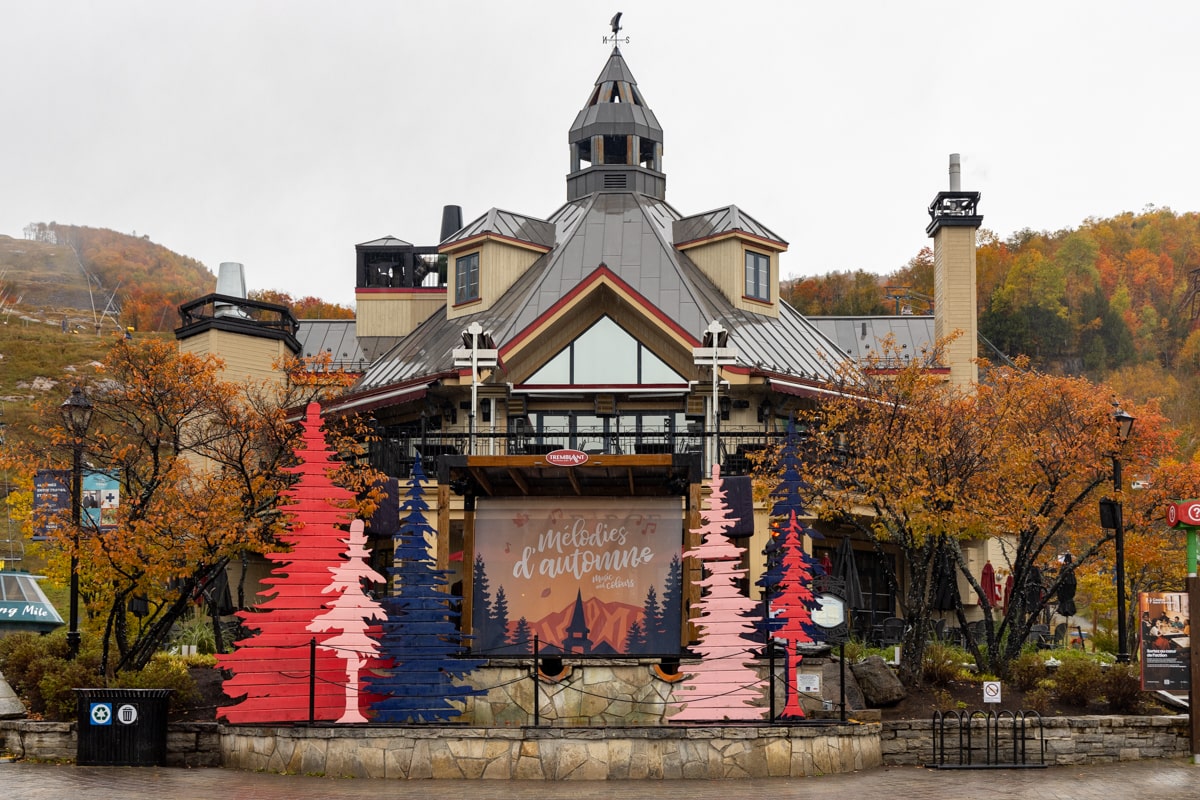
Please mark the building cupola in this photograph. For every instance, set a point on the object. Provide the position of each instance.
(616, 142)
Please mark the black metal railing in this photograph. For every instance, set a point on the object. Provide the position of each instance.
(737, 450)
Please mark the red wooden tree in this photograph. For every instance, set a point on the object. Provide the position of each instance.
(271, 667)
(722, 685)
(351, 612)
(792, 606)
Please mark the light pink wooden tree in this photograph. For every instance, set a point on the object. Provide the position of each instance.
(723, 685)
(351, 613)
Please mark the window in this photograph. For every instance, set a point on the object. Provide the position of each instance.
(605, 354)
(758, 276)
(466, 278)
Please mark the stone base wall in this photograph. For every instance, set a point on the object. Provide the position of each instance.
(1069, 740)
(656, 753)
(189, 744)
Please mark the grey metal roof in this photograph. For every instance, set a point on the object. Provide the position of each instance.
(720, 221)
(615, 106)
(859, 337)
(630, 234)
(509, 225)
(334, 336)
(385, 241)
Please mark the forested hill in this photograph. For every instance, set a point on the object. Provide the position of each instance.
(129, 278)
(138, 282)
(1113, 293)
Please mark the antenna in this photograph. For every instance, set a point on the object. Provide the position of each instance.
(615, 24)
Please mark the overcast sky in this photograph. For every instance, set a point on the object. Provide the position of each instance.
(280, 134)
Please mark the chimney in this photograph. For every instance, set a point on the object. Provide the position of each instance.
(954, 219)
(231, 282)
(451, 221)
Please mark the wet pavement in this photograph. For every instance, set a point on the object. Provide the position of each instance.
(1175, 779)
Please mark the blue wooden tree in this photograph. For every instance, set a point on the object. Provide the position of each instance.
(788, 501)
(420, 635)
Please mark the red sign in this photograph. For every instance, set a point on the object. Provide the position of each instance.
(1184, 515)
(567, 458)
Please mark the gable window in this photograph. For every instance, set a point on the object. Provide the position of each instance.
(605, 354)
(758, 276)
(466, 278)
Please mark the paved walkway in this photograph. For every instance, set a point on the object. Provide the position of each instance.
(1173, 779)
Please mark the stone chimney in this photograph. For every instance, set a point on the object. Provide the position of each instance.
(954, 219)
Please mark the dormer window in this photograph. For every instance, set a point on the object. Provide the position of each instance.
(466, 278)
(758, 276)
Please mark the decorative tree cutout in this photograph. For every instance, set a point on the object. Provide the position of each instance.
(722, 685)
(421, 634)
(271, 667)
(793, 605)
(351, 612)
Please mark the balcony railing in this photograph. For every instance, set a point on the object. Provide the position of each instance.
(395, 455)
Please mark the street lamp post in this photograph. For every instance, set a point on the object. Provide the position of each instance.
(1124, 423)
(77, 415)
(714, 353)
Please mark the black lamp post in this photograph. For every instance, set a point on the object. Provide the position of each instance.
(77, 415)
(1124, 423)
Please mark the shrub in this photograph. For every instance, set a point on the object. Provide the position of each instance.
(1122, 688)
(1038, 699)
(1026, 670)
(163, 672)
(56, 687)
(1077, 681)
(942, 663)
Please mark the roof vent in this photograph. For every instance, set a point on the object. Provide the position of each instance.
(614, 180)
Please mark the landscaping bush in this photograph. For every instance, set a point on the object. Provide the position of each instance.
(1078, 680)
(1027, 670)
(163, 672)
(942, 663)
(1123, 688)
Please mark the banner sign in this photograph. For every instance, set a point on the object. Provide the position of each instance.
(1165, 639)
(595, 576)
(100, 499)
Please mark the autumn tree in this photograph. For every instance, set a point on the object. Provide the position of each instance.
(200, 462)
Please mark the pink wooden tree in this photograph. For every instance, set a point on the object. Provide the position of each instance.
(792, 607)
(270, 668)
(351, 612)
(723, 685)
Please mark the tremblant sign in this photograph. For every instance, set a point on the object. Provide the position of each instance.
(567, 458)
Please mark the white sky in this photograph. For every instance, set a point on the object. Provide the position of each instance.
(280, 134)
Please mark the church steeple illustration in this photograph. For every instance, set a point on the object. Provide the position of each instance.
(616, 141)
(577, 631)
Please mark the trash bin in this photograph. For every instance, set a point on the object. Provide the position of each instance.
(122, 727)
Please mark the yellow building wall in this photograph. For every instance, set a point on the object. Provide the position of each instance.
(954, 300)
(500, 264)
(724, 262)
(395, 313)
(245, 357)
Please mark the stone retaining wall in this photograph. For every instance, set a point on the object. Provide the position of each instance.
(422, 752)
(1069, 740)
(189, 744)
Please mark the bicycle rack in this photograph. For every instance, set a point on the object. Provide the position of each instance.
(1000, 731)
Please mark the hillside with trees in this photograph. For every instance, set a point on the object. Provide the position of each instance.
(1114, 299)
(115, 280)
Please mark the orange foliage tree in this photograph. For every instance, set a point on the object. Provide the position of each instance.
(201, 465)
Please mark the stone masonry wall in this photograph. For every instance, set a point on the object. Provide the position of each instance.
(1069, 740)
(189, 744)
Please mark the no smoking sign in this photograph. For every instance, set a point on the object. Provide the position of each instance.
(991, 691)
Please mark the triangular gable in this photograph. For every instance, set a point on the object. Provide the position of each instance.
(601, 293)
(607, 336)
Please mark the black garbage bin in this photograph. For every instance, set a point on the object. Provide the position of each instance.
(122, 727)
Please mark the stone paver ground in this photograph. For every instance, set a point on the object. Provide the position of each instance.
(1176, 779)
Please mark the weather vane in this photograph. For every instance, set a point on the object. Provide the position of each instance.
(616, 29)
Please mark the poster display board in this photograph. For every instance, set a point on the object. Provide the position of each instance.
(591, 576)
(1165, 641)
(100, 499)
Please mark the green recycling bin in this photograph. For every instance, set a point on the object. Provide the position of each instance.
(122, 727)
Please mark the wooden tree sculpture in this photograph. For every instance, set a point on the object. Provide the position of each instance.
(351, 612)
(793, 607)
(420, 635)
(271, 667)
(722, 685)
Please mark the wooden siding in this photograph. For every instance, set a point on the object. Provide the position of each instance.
(395, 313)
(500, 264)
(723, 260)
(954, 300)
(245, 357)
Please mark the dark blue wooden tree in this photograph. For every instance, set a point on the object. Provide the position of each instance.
(420, 636)
(788, 500)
